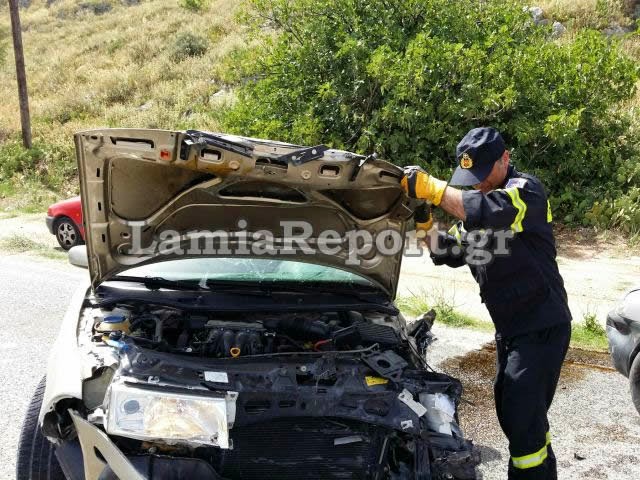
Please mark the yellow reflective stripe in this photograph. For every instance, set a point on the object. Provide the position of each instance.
(548, 439)
(520, 206)
(531, 460)
(456, 233)
(549, 216)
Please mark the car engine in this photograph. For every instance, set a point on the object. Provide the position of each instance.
(245, 334)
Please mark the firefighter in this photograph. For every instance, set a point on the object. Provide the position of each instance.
(507, 215)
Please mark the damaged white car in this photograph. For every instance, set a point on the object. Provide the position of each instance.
(239, 322)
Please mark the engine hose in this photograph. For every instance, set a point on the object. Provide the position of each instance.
(240, 341)
(213, 341)
(304, 329)
(228, 339)
(254, 344)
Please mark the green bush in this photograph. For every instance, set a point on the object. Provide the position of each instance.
(407, 79)
(97, 7)
(193, 5)
(51, 165)
(188, 45)
(621, 213)
(591, 324)
(14, 159)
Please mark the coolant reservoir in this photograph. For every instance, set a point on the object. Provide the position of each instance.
(113, 323)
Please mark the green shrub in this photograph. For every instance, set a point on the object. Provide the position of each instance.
(193, 5)
(591, 325)
(589, 334)
(621, 213)
(407, 79)
(97, 7)
(69, 107)
(14, 159)
(115, 44)
(188, 45)
(50, 164)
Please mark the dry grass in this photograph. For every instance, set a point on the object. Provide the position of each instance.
(588, 13)
(115, 68)
(20, 244)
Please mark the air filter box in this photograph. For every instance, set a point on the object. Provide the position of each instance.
(366, 334)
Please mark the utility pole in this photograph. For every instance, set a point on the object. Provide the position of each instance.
(20, 73)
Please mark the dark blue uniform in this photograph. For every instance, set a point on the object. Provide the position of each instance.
(525, 296)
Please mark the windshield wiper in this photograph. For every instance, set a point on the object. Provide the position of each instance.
(155, 283)
(274, 288)
(245, 288)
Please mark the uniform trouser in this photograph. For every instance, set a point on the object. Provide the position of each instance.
(528, 367)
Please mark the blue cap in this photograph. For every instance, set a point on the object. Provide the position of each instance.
(476, 154)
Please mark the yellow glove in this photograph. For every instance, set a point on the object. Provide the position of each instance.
(419, 184)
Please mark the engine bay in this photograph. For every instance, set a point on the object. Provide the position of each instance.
(241, 334)
(347, 393)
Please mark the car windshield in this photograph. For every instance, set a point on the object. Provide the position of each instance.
(260, 270)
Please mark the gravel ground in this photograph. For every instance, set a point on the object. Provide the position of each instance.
(595, 429)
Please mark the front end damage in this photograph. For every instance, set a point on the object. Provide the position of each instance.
(364, 405)
(238, 361)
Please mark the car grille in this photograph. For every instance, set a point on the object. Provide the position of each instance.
(302, 448)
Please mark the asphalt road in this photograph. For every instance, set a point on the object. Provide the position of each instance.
(596, 431)
(34, 294)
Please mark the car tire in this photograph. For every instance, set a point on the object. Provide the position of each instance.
(36, 455)
(66, 233)
(634, 380)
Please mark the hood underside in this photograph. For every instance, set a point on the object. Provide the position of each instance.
(141, 188)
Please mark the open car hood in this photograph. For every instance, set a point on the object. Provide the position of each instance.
(141, 188)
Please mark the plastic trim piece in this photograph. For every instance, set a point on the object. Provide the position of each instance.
(93, 440)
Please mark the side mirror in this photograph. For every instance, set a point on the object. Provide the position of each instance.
(78, 256)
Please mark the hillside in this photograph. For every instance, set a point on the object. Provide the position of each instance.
(156, 63)
(105, 63)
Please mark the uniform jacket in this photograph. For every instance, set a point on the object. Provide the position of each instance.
(521, 287)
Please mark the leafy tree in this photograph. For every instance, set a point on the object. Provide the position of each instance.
(407, 79)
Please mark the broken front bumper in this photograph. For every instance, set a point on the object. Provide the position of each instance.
(339, 427)
(103, 460)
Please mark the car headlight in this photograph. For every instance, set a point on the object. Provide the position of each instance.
(171, 417)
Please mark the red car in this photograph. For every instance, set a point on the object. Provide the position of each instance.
(64, 220)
